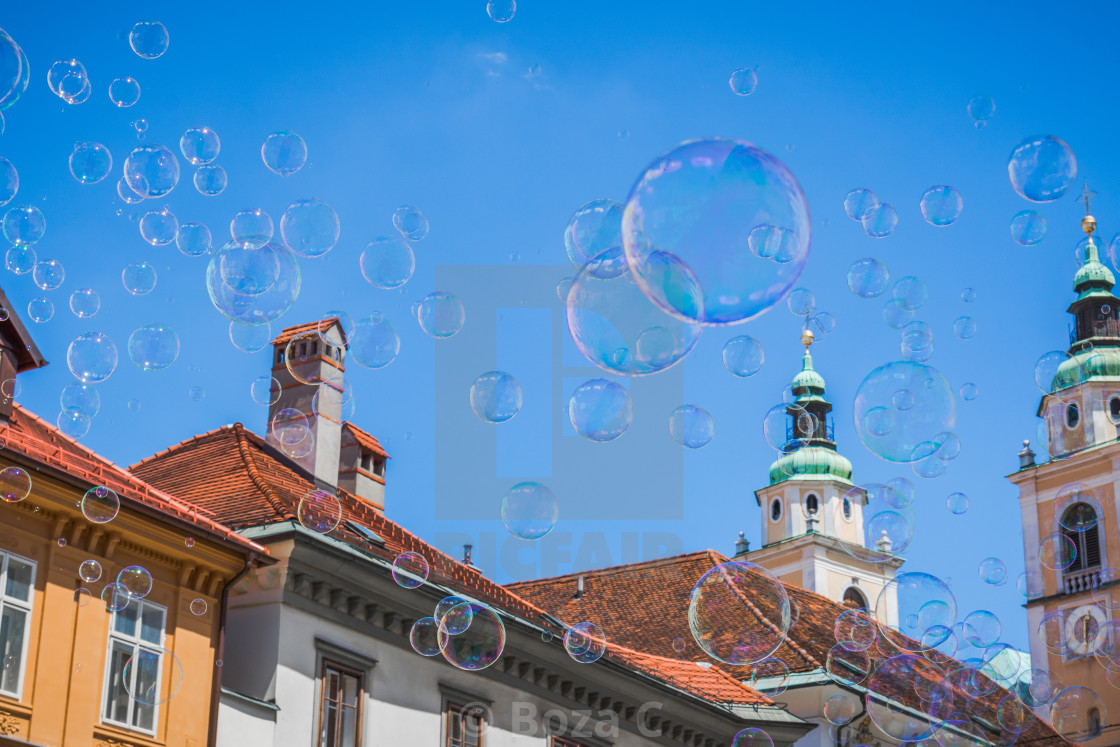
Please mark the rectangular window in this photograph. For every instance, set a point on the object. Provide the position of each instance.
(340, 706)
(463, 726)
(135, 666)
(15, 613)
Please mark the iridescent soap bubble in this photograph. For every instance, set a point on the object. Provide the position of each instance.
(124, 92)
(139, 278)
(931, 414)
(319, 511)
(67, 79)
(1028, 227)
(770, 674)
(73, 423)
(859, 203)
(89, 571)
(151, 170)
(248, 270)
(148, 39)
(200, 145)
(585, 642)
(115, 597)
(752, 737)
(692, 427)
(480, 645)
(85, 303)
(501, 11)
(253, 286)
(48, 274)
(265, 390)
(688, 224)
(159, 227)
(1057, 551)
(495, 396)
(743, 82)
(387, 262)
(1046, 372)
(529, 510)
(100, 505)
(11, 67)
(251, 228)
(917, 342)
(90, 162)
(441, 315)
(15, 484)
(1042, 168)
(250, 338)
(198, 606)
(24, 224)
(309, 227)
(600, 410)
(868, 278)
(992, 571)
(981, 108)
(410, 570)
(969, 391)
(284, 152)
(964, 327)
(92, 357)
(841, 708)
(911, 293)
(424, 636)
(880, 221)
(455, 619)
(127, 194)
(136, 580)
(725, 625)
(9, 181)
(743, 356)
(410, 222)
(210, 180)
(153, 347)
(594, 228)
(1078, 714)
(374, 342)
(83, 398)
(941, 205)
(801, 302)
(193, 239)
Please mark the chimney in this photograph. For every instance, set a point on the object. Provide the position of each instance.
(742, 546)
(579, 588)
(1026, 456)
(18, 353)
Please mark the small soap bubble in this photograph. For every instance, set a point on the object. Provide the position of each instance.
(198, 606)
(1028, 227)
(387, 262)
(743, 81)
(24, 225)
(89, 571)
(100, 505)
(881, 221)
(251, 228)
(410, 570)
(859, 203)
(193, 239)
(743, 356)
(981, 109)
(868, 278)
(957, 503)
(85, 303)
(90, 162)
(210, 180)
(196, 393)
(410, 222)
(124, 92)
(40, 310)
(600, 410)
(441, 315)
(969, 391)
(495, 396)
(529, 510)
(9, 181)
(691, 426)
(159, 227)
(941, 205)
(964, 327)
(284, 152)
(200, 145)
(151, 170)
(139, 278)
(148, 39)
(501, 11)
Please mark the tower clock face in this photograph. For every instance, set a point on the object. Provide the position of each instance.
(1084, 629)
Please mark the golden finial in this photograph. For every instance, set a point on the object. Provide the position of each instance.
(807, 338)
(1088, 223)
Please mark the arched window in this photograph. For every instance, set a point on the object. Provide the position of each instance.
(1087, 541)
(776, 510)
(1073, 415)
(1094, 719)
(853, 597)
(846, 507)
(812, 505)
(1114, 409)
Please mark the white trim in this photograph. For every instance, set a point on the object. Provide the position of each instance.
(137, 643)
(28, 607)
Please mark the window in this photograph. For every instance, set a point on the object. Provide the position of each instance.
(340, 706)
(379, 467)
(846, 507)
(1073, 415)
(279, 355)
(565, 742)
(136, 635)
(1087, 541)
(1094, 725)
(18, 575)
(463, 726)
(1114, 409)
(776, 510)
(812, 505)
(853, 597)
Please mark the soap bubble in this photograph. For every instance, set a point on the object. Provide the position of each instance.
(932, 413)
(374, 342)
(592, 230)
(911, 293)
(124, 92)
(600, 410)
(1078, 714)
(480, 645)
(1028, 227)
(139, 278)
(1042, 168)
(100, 505)
(387, 262)
(85, 303)
(309, 227)
(859, 203)
(410, 570)
(253, 286)
(981, 109)
(841, 708)
(153, 347)
(456, 619)
(136, 580)
(319, 511)
(957, 503)
(501, 11)
(284, 152)
(24, 224)
(200, 145)
(193, 239)
(15, 484)
(115, 597)
(743, 356)
(410, 222)
(9, 181)
(73, 423)
(941, 205)
(868, 278)
(126, 193)
(151, 170)
(585, 642)
(725, 626)
(198, 606)
(691, 426)
(83, 398)
(495, 396)
(743, 81)
(928, 595)
(92, 357)
(1046, 372)
(159, 227)
(152, 676)
(252, 229)
(881, 221)
(197, 394)
(210, 180)
(992, 571)
(752, 737)
(11, 68)
(529, 510)
(1056, 551)
(969, 391)
(89, 571)
(801, 302)
(48, 274)
(964, 327)
(424, 636)
(770, 674)
(67, 79)
(265, 390)
(148, 39)
(250, 338)
(441, 315)
(917, 342)
(90, 162)
(687, 228)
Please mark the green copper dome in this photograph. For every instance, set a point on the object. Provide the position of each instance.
(807, 380)
(811, 461)
(1086, 366)
(1093, 275)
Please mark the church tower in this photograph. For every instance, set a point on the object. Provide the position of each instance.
(1069, 503)
(812, 512)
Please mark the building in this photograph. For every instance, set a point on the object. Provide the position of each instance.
(1069, 506)
(323, 645)
(142, 668)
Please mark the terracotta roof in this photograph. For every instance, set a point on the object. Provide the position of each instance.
(709, 682)
(365, 440)
(289, 332)
(41, 442)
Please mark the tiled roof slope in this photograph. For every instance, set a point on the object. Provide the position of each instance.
(711, 683)
(366, 440)
(29, 435)
(289, 332)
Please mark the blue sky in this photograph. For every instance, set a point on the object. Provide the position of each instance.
(498, 132)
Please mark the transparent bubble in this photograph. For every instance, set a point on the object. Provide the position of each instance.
(139, 278)
(691, 213)
(193, 239)
(600, 410)
(85, 303)
(126, 193)
(67, 79)
(896, 315)
(319, 511)
(73, 423)
(1028, 227)
(801, 302)
(40, 310)
(941, 205)
(151, 170)
(592, 230)
(100, 505)
(768, 675)
(309, 227)
(880, 221)
(932, 413)
(1042, 168)
(153, 347)
(410, 222)
(424, 636)
(917, 342)
(868, 278)
(1056, 551)
(200, 145)
(841, 708)
(743, 82)
(964, 327)
(265, 390)
(251, 228)
(136, 580)
(11, 69)
(253, 286)
(250, 338)
(1046, 372)
(479, 645)
(410, 570)
(856, 630)
(89, 571)
(90, 162)
(1078, 714)
(210, 180)
(374, 343)
(83, 398)
(141, 126)
(9, 181)
(725, 626)
(1030, 584)
(284, 152)
(148, 39)
(15, 484)
(10, 388)
(981, 108)
(585, 642)
(387, 262)
(743, 356)
(969, 391)
(92, 357)
(495, 396)
(993, 571)
(859, 203)
(441, 315)
(115, 597)
(910, 292)
(198, 606)
(134, 405)
(1078, 507)
(691, 426)
(24, 224)
(501, 11)
(957, 503)
(928, 595)
(124, 92)
(752, 737)
(159, 227)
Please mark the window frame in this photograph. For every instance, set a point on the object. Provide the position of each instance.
(846, 509)
(325, 663)
(451, 707)
(1114, 409)
(137, 643)
(1072, 413)
(805, 505)
(776, 501)
(859, 592)
(28, 608)
(1080, 541)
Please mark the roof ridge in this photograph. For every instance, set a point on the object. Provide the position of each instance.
(255, 475)
(783, 634)
(611, 569)
(180, 445)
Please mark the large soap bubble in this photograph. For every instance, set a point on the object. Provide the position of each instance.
(911, 604)
(716, 231)
(1042, 168)
(600, 410)
(309, 227)
(151, 170)
(247, 293)
(901, 406)
(92, 357)
(728, 627)
(479, 645)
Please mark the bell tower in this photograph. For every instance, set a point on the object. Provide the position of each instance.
(812, 512)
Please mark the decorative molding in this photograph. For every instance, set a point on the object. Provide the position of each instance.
(9, 723)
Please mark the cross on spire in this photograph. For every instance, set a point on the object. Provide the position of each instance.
(1086, 195)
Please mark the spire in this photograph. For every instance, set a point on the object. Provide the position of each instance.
(1093, 276)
